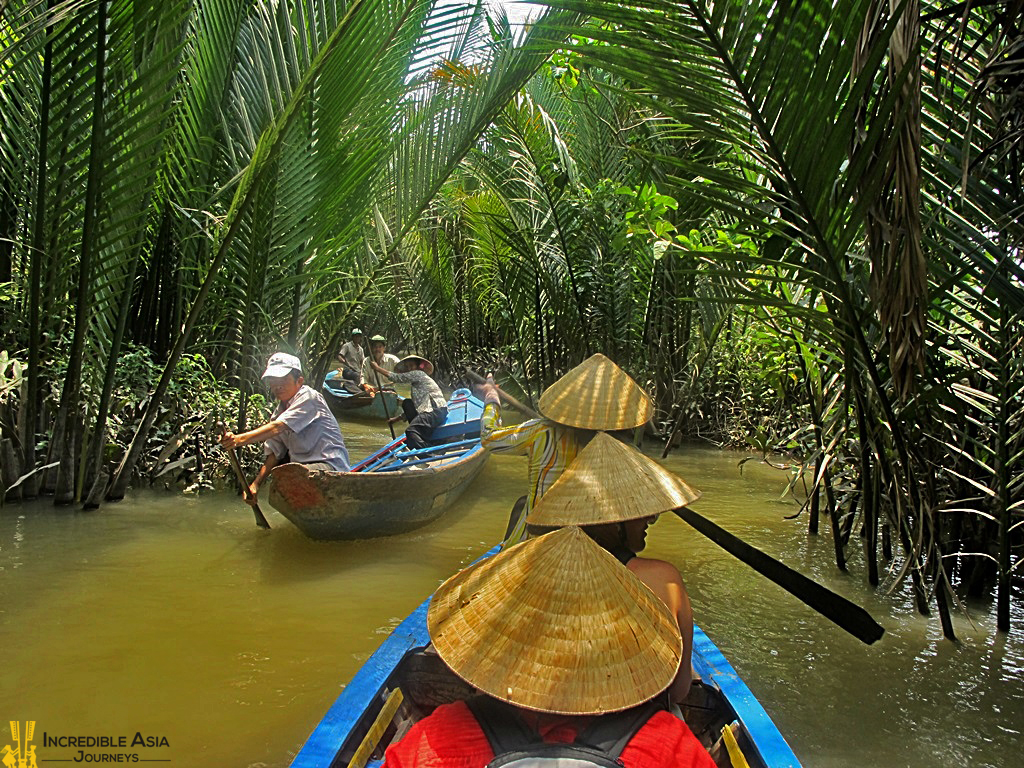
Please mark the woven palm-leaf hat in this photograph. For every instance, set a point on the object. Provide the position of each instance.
(556, 624)
(597, 394)
(609, 482)
(406, 363)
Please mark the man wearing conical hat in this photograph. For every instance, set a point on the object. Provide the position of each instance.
(595, 395)
(427, 407)
(560, 640)
(614, 492)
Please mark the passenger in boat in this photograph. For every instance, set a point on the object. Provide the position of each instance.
(614, 492)
(368, 377)
(302, 429)
(554, 670)
(427, 406)
(595, 395)
(351, 356)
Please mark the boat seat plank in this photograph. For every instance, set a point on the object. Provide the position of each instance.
(380, 724)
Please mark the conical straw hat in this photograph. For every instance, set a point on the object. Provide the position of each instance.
(597, 394)
(407, 362)
(556, 624)
(610, 481)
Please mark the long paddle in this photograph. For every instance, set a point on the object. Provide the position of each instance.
(384, 400)
(836, 608)
(523, 409)
(261, 519)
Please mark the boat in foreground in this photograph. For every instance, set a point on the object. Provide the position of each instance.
(404, 680)
(392, 491)
(345, 404)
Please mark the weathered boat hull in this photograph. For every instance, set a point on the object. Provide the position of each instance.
(344, 404)
(357, 505)
(402, 662)
(392, 491)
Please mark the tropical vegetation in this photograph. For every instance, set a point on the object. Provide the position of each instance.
(797, 224)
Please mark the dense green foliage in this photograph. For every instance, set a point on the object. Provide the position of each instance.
(796, 224)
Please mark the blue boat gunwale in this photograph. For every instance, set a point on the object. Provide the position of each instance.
(367, 685)
(464, 414)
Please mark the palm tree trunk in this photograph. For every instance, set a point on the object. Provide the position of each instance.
(1003, 476)
(36, 270)
(95, 470)
(68, 416)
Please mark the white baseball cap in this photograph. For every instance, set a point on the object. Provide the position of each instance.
(281, 364)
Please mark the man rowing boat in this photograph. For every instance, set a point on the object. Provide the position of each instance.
(301, 430)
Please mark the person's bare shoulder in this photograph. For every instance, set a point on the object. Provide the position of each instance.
(660, 570)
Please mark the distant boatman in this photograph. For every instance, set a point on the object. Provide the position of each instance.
(351, 356)
(369, 378)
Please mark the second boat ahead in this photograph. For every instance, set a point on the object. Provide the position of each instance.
(392, 491)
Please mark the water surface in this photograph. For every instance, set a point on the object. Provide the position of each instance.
(176, 617)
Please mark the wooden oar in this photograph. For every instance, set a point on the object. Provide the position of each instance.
(384, 400)
(261, 519)
(523, 409)
(836, 608)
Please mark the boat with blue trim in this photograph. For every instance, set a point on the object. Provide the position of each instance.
(404, 680)
(392, 491)
(344, 404)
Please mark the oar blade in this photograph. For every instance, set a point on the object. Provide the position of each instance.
(836, 608)
(261, 519)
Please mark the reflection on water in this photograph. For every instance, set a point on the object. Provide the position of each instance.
(175, 616)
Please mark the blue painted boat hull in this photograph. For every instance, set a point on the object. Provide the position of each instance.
(721, 698)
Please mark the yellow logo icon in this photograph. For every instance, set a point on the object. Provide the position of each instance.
(25, 754)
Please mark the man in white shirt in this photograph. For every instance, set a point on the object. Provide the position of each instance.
(302, 429)
(369, 379)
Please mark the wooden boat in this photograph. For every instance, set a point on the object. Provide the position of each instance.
(392, 491)
(404, 680)
(345, 404)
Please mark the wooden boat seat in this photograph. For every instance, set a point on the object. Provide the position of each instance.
(731, 750)
(425, 683)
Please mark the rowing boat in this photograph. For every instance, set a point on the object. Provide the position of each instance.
(404, 679)
(344, 404)
(392, 491)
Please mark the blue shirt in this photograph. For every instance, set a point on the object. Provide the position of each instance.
(312, 435)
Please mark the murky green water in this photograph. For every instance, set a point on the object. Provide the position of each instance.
(175, 617)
